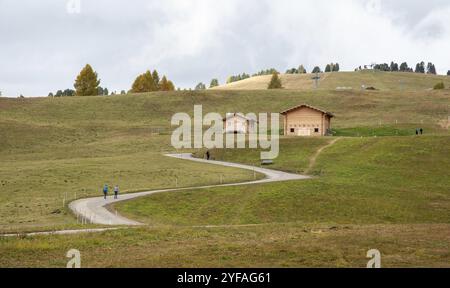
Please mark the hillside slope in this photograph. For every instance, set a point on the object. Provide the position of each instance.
(395, 81)
(56, 149)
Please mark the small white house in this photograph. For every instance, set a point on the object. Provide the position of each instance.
(237, 123)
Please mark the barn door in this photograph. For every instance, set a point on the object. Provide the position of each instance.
(304, 132)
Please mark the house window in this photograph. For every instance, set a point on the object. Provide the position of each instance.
(292, 130)
(316, 130)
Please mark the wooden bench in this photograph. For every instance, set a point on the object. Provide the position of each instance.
(266, 162)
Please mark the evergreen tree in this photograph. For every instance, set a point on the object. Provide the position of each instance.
(275, 82)
(156, 79)
(420, 67)
(382, 67)
(394, 67)
(404, 67)
(123, 92)
(336, 67)
(301, 69)
(87, 82)
(68, 92)
(448, 73)
(214, 83)
(328, 68)
(49, 94)
(292, 71)
(200, 86)
(431, 69)
(316, 70)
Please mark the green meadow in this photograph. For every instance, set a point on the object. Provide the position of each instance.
(378, 186)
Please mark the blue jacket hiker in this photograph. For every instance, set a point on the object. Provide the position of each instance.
(105, 190)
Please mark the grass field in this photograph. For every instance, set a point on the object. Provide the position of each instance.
(384, 81)
(392, 188)
(362, 181)
(276, 245)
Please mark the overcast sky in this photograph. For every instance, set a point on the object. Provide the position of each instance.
(45, 43)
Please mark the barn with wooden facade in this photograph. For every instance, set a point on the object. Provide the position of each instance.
(307, 121)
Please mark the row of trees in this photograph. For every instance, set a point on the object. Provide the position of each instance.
(270, 71)
(71, 92)
(214, 83)
(430, 68)
(87, 83)
(201, 86)
(63, 93)
(332, 67)
(149, 82)
(300, 70)
(236, 78)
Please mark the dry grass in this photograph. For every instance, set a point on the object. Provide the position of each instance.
(385, 81)
(272, 245)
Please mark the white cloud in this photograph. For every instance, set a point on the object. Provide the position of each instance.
(42, 47)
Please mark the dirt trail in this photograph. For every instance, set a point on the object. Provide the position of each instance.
(313, 159)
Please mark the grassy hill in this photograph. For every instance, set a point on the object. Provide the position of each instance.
(362, 181)
(385, 187)
(385, 81)
(56, 148)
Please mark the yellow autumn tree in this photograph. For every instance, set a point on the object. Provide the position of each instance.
(144, 83)
(87, 82)
(164, 85)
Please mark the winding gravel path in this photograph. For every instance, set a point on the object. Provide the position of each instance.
(94, 210)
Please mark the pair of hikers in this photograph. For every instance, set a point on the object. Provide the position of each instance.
(419, 131)
(106, 189)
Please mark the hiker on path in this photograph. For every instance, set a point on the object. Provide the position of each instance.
(417, 132)
(421, 131)
(116, 191)
(208, 155)
(105, 190)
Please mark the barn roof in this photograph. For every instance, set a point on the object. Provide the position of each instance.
(307, 106)
(240, 115)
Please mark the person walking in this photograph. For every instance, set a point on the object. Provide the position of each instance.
(421, 131)
(116, 191)
(105, 190)
(417, 132)
(208, 155)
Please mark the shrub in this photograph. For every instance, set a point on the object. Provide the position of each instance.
(439, 86)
